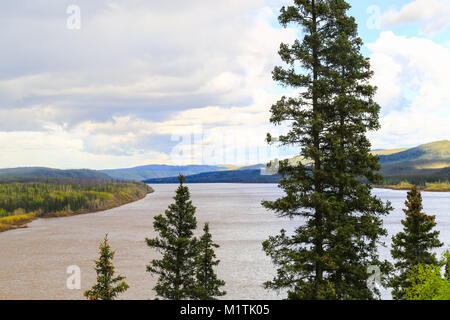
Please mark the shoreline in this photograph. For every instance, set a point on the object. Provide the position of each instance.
(422, 189)
(25, 219)
(391, 187)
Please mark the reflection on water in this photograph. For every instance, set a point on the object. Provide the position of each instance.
(33, 261)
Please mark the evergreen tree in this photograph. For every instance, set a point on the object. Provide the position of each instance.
(208, 285)
(176, 243)
(328, 255)
(108, 287)
(413, 245)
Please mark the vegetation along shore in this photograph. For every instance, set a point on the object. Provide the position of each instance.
(436, 186)
(22, 202)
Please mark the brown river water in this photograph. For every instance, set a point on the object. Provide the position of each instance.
(34, 260)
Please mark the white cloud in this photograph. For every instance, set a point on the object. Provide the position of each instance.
(410, 128)
(412, 76)
(388, 71)
(207, 135)
(138, 56)
(433, 14)
(137, 73)
(196, 133)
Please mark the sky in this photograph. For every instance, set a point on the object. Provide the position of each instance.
(112, 84)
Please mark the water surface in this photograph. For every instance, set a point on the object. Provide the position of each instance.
(33, 261)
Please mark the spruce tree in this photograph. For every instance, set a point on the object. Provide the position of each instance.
(413, 245)
(107, 287)
(208, 285)
(178, 246)
(328, 255)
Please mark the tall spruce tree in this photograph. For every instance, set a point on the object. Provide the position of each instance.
(208, 285)
(413, 245)
(107, 287)
(328, 255)
(178, 246)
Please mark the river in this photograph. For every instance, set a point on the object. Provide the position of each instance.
(34, 260)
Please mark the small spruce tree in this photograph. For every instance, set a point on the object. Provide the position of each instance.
(178, 246)
(208, 285)
(413, 245)
(108, 287)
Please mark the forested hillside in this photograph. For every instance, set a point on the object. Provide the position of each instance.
(41, 172)
(231, 176)
(22, 202)
(427, 166)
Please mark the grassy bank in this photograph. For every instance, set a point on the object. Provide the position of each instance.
(429, 186)
(21, 203)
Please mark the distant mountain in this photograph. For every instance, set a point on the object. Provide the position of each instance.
(253, 167)
(439, 150)
(159, 171)
(230, 176)
(428, 162)
(384, 152)
(428, 158)
(40, 172)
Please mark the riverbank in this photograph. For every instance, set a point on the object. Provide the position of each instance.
(118, 195)
(431, 187)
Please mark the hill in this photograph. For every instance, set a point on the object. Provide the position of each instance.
(425, 163)
(385, 152)
(431, 152)
(419, 165)
(426, 159)
(230, 176)
(159, 171)
(40, 172)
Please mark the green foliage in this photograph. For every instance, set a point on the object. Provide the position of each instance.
(428, 186)
(107, 287)
(178, 246)
(208, 285)
(438, 186)
(20, 203)
(413, 245)
(33, 200)
(427, 283)
(328, 255)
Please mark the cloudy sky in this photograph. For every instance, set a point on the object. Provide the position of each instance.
(106, 84)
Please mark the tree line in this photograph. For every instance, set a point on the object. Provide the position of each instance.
(48, 198)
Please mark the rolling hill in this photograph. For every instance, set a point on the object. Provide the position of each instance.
(428, 158)
(159, 171)
(425, 163)
(229, 176)
(41, 172)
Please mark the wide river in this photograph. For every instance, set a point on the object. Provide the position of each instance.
(34, 260)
